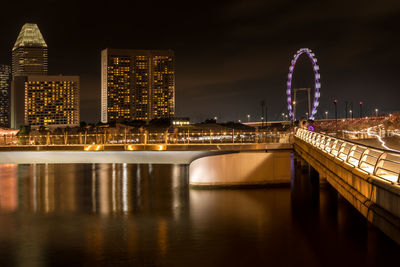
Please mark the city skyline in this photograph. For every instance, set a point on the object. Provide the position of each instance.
(231, 56)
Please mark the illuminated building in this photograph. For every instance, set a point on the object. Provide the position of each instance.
(52, 101)
(137, 84)
(29, 54)
(29, 57)
(5, 87)
(180, 121)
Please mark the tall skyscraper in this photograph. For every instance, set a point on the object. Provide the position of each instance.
(29, 54)
(29, 57)
(5, 87)
(52, 101)
(137, 84)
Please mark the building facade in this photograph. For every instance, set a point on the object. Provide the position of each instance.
(5, 88)
(29, 57)
(51, 101)
(137, 84)
(29, 54)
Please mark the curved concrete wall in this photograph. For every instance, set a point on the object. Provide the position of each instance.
(244, 168)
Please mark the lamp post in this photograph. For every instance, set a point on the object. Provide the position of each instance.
(262, 112)
(294, 109)
(361, 103)
(376, 112)
(248, 117)
(351, 114)
(335, 103)
(326, 114)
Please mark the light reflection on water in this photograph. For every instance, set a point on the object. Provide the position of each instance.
(125, 214)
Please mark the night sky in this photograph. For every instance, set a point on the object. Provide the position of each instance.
(230, 55)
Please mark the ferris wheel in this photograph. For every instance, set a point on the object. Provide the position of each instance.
(289, 91)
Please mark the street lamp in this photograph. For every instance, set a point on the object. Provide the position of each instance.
(376, 112)
(326, 114)
(248, 118)
(215, 118)
(351, 114)
(240, 121)
(335, 103)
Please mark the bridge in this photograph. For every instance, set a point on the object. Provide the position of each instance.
(157, 148)
(365, 176)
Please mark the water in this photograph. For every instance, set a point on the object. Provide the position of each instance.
(146, 215)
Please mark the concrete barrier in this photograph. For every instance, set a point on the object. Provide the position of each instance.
(239, 169)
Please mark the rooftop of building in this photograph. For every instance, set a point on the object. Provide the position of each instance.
(29, 36)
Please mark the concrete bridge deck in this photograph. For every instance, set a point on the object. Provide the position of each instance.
(150, 153)
(368, 178)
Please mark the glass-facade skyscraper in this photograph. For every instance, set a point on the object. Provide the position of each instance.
(137, 84)
(5, 87)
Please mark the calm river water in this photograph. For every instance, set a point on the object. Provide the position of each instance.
(146, 215)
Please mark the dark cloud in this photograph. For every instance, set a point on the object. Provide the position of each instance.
(229, 54)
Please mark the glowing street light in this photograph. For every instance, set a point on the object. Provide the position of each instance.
(215, 118)
(248, 117)
(376, 112)
(326, 114)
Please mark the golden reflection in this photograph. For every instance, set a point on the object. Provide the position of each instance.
(162, 237)
(207, 205)
(48, 190)
(115, 191)
(8, 188)
(96, 188)
(94, 239)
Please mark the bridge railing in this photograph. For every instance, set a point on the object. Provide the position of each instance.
(109, 138)
(381, 163)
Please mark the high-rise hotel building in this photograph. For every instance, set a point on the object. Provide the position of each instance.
(38, 99)
(137, 84)
(5, 87)
(52, 101)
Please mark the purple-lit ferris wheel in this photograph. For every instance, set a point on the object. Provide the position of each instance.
(317, 76)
